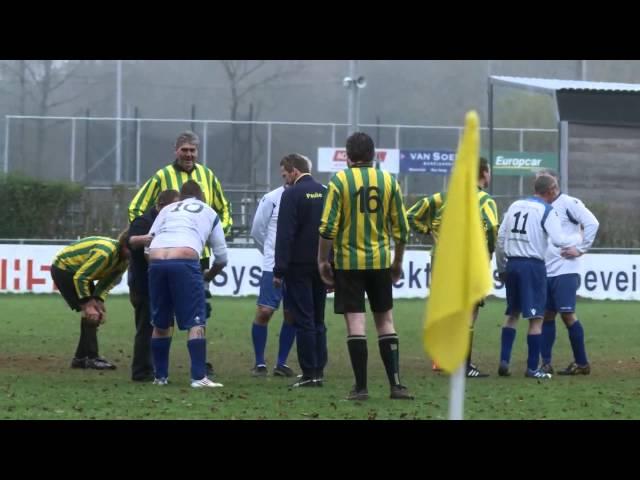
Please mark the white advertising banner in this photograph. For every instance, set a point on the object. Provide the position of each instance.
(335, 159)
(25, 269)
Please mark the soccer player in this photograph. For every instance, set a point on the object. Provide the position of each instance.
(524, 233)
(180, 233)
(563, 267)
(263, 232)
(74, 270)
(363, 209)
(425, 217)
(296, 254)
(138, 238)
(186, 167)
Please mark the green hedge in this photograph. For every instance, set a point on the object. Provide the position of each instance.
(34, 208)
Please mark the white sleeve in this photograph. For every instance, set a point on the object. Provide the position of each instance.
(157, 223)
(589, 223)
(217, 243)
(501, 259)
(553, 227)
(261, 222)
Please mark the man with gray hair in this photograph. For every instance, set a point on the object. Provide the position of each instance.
(563, 279)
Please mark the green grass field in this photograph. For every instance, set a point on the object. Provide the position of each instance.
(38, 335)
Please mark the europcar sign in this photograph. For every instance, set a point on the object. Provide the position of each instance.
(522, 163)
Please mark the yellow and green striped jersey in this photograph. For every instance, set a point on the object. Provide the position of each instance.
(426, 216)
(172, 177)
(363, 208)
(90, 259)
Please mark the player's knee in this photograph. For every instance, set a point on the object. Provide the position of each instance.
(196, 332)
(161, 332)
(289, 319)
(511, 321)
(568, 318)
(263, 315)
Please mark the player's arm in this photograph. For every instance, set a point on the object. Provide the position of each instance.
(418, 215)
(501, 259)
(287, 226)
(490, 217)
(221, 205)
(398, 215)
(107, 283)
(329, 223)
(145, 197)
(331, 211)
(260, 225)
(400, 229)
(219, 249)
(95, 265)
(589, 223)
(552, 225)
(138, 236)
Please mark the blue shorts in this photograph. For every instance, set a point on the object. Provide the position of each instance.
(270, 296)
(526, 287)
(561, 293)
(176, 287)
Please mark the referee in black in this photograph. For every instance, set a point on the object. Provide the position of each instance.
(296, 256)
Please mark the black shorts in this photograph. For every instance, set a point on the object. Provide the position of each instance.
(352, 284)
(64, 281)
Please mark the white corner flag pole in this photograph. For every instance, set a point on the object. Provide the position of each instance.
(456, 393)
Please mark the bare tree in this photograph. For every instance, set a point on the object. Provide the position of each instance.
(246, 77)
(39, 83)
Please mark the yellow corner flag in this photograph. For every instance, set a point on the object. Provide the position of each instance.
(461, 273)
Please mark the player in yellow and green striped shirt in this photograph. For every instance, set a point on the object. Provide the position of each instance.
(171, 177)
(363, 210)
(74, 270)
(425, 216)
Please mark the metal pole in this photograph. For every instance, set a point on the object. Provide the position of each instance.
(491, 133)
(73, 149)
(356, 105)
(6, 145)
(119, 116)
(269, 156)
(138, 158)
(204, 144)
(521, 187)
(86, 146)
(564, 156)
(352, 97)
(333, 135)
(456, 394)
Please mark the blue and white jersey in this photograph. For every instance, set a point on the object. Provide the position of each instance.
(526, 228)
(265, 223)
(189, 223)
(575, 218)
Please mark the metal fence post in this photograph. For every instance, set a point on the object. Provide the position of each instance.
(204, 144)
(269, 137)
(73, 149)
(138, 158)
(6, 144)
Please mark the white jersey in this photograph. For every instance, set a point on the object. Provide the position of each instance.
(574, 217)
(526, 228)
(265, 223)
(189, 223)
